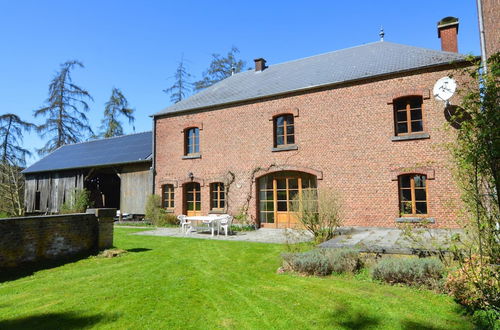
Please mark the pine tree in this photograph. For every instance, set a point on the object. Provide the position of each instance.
(116, 106)
(65, 111)
(12, 158)
(220, 68)
(182, 86)
(11, 137)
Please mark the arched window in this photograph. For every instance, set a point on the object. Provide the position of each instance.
(192, 141)
(408, 115)
(412, 194)
(217, 196)
(284, 132)
(168, 196)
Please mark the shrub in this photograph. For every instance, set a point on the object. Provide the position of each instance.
(319, 212)
(476, 284)
(156, 214)
(487, 319)
(323, 262)
(78, 202)
(409, 271)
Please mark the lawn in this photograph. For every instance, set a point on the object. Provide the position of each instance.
(190, 283)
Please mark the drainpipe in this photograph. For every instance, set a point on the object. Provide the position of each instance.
(481, 34)
(153, 158)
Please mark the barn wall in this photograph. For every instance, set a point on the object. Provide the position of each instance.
(54, 188)
(135, 187)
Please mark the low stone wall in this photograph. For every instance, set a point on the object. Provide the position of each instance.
(35, 239)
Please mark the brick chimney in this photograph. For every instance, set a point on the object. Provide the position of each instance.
(260, 64)
(447, 32)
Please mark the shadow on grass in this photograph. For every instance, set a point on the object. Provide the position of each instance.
(409, 324)
(28, 269)
(68, 320)
(138, 250)
(352, 318)
(349, 318)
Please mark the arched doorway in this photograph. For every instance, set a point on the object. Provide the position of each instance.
(275, 194)
(192, 199)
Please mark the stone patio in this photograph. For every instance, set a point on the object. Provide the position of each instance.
(365, 239)
(392, 240)
(262, 235)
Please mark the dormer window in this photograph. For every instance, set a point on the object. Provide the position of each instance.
(192, 141)
(284, 132)
(408, 115)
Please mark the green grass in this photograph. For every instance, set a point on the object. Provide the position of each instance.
(190, 283)
(3, 215)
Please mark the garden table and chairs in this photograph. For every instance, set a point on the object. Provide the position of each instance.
(211, 222)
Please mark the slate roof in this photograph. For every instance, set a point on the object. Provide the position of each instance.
(124, 149)
(365, 61)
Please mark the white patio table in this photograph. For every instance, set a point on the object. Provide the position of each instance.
(211, 220)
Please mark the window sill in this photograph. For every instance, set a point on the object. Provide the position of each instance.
(415, 220)
(411, 137)
(216, 212)
(193, 156)
(169, 211)
(286, 148)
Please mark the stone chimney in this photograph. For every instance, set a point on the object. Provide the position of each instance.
(260, 64)
(447, 32)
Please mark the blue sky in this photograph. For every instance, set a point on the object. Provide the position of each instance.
(136, 45)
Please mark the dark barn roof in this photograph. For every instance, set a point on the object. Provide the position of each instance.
(124, 149)
(350, 64)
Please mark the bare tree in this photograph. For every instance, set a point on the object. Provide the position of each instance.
(117, 105)
(182, 85)
(65, 111)
(220, 68)
(11, 135)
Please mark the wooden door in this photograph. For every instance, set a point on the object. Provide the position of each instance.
(286, 189)
(192, 198)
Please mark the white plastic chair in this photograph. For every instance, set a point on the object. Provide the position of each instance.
(185, 225)
(225, 223)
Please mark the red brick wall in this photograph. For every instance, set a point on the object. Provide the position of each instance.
(344, 132)
(491, 19)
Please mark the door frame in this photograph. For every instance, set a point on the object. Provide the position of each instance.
(282, 175)
(196, 190)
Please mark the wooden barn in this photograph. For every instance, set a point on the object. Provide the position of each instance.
(116, 172)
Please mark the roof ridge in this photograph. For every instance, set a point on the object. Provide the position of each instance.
(101, 139)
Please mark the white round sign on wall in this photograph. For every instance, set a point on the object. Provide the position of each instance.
(444, 88)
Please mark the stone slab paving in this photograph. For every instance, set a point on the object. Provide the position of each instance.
(365, 239)
(392, 240)
(262, 235)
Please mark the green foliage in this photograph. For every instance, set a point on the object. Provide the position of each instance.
(487, 319)
(240, 227)
(220, 68)
(182, 85)
(410, 271)
(65, 111)
(11, 189)
(476, 153)
(117, 105)
(319, 212)
(77, 202)
(323, 262)
(158, 215)
(477, 157)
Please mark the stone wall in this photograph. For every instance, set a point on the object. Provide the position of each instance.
(34, 239)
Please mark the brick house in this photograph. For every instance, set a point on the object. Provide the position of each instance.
(362, 121)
